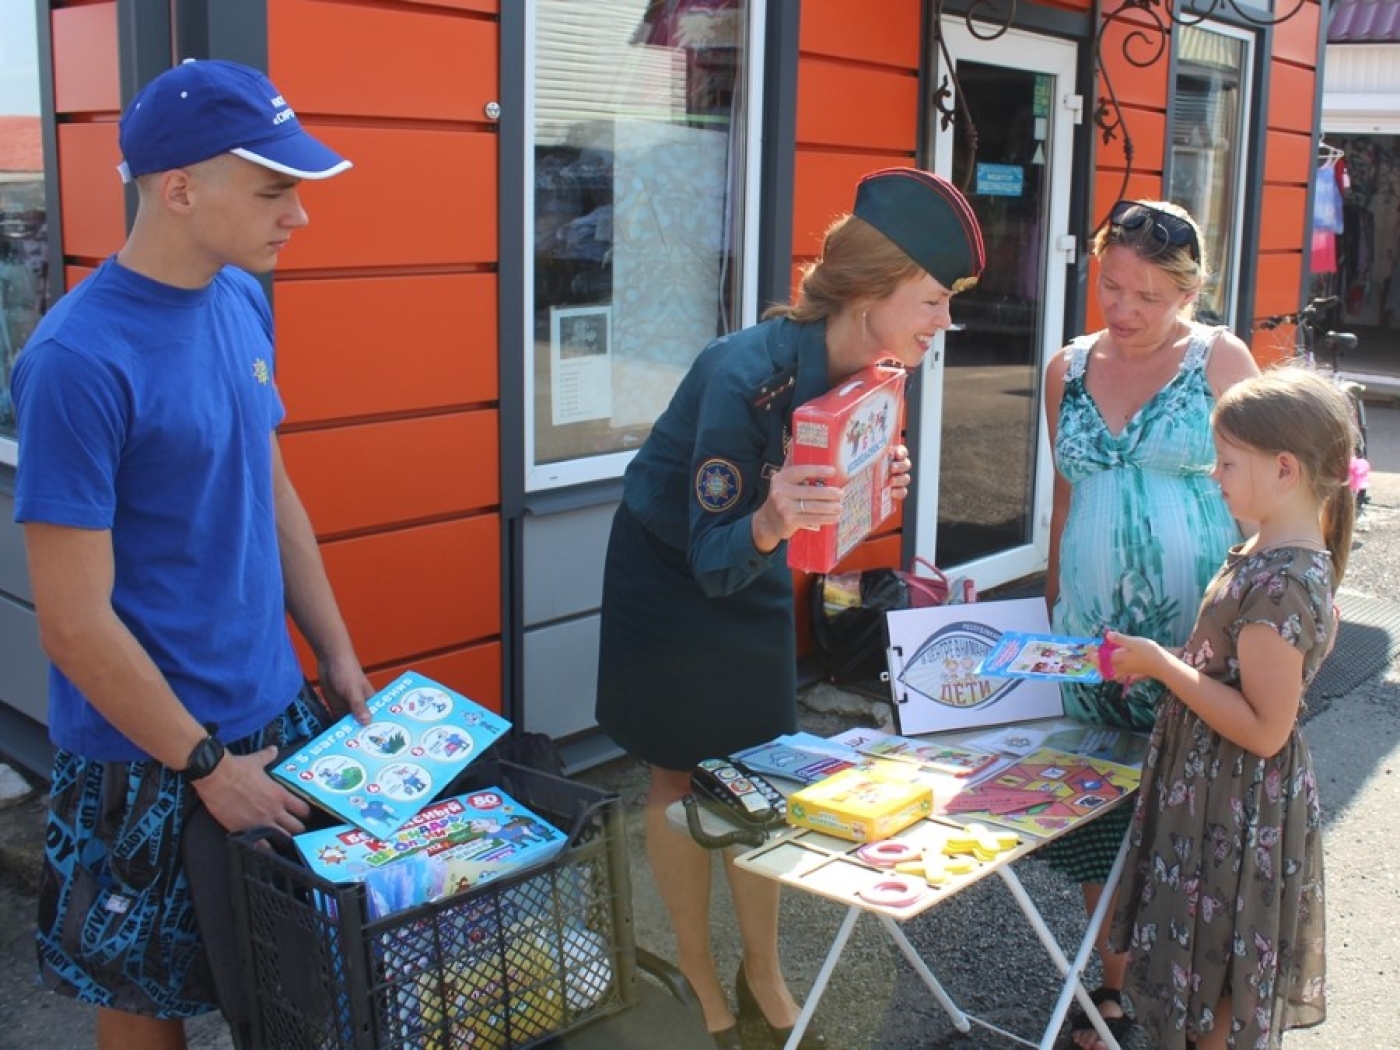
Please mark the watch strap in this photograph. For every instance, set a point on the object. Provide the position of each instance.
(206, 755)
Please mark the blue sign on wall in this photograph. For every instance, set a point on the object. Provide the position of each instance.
(1000, 180)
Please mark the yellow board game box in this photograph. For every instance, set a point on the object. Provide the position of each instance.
(861, 804)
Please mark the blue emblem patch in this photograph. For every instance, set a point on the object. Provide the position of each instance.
(718, 484)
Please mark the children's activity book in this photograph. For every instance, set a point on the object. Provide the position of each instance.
(786, 756)
(377, 776)
(955, 760)
(449, 846)
(1021, 654)
(1043, 793)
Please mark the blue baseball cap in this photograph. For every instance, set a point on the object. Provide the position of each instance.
(201, 109)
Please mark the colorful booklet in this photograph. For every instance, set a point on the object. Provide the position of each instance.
(779, 758)
(955, 760)
(1043, 793)
(421, 734)
(1019, 654)
(449, 846)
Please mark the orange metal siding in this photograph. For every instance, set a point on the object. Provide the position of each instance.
(393, 344)
(85, 75)
(431, 589)
(852, 107)
(413, 198)
(843, 30)
(90, 190)
(417, 64)
(387, 327)
(405, 470)
(87, 101)
(858, 109)
(1288, 164)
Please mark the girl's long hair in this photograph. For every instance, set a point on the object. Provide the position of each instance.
(1295, 410)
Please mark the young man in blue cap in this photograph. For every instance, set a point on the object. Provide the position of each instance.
(166, 546)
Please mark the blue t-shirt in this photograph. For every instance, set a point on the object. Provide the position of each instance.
(148, 410)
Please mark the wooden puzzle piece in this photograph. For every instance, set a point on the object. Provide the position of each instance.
(982, 842)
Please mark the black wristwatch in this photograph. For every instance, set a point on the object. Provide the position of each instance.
(206, 755)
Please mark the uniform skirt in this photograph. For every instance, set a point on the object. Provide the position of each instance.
(683, 676)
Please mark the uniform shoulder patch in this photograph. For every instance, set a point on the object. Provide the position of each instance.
(718, 485)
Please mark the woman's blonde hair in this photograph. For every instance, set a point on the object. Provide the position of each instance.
(1295, 410)
(857, 263)
(1175, 260)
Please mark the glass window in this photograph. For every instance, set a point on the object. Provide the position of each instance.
(640, 172)
(24, 264)
(1207, 158)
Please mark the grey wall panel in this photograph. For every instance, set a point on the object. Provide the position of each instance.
(561, 675)
(14, 575)
(563, 563)
(24, 670)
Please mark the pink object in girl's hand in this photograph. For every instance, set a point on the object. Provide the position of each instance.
(1106, 649)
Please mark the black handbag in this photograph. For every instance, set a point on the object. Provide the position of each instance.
(848, 614)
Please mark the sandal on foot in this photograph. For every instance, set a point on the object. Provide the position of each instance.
(1118, 1027)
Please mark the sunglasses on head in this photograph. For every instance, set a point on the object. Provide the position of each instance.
(1162, 226)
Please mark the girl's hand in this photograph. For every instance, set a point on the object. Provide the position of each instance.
(1134, 658)
(900, 466)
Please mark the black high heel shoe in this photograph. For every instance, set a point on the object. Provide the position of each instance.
(750, 1010)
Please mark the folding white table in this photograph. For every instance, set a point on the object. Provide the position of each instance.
(813, 862)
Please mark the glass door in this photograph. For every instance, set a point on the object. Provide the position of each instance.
(985, 509)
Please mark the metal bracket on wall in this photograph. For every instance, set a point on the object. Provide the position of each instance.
(985, 22)
(1148, 25)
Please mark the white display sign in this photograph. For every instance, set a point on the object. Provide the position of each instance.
(934, 653)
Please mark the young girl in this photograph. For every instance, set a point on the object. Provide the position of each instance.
(1221, 902)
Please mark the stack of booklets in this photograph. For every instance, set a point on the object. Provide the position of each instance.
(804, 757)
(383, 779)
(448, 847)
(959, 761)
(421, 734)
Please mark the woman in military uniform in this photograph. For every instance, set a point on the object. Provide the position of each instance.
(698, 649)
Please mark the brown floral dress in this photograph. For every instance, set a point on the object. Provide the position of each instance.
(1222, 894)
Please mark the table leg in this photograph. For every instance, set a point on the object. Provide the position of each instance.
(1072, 987)
(833, 954)
(960, 1019)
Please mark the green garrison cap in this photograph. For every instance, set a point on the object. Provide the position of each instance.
(926, 216)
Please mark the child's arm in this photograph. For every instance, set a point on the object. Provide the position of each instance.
(1258, 716)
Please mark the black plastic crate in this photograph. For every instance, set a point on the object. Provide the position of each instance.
(499, 967)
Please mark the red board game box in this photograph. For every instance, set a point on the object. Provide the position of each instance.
(852, 428)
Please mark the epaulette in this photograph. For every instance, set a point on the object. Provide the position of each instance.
(770, 391)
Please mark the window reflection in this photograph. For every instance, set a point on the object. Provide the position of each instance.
(24, 269)
(639, 121)
(1209, 118)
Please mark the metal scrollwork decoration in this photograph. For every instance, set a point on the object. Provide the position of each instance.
(1148, 25)
(985, 21)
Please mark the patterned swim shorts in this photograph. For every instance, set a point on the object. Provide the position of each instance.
(116, 922)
